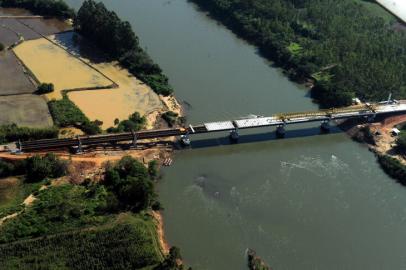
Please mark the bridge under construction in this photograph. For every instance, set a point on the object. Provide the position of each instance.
(280, 121)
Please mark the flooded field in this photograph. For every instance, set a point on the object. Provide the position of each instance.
(25, 110)
(50, 63)
(106, 105)
(12, 78)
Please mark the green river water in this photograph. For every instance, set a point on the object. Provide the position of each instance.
(305, 202)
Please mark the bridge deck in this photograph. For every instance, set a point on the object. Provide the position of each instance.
(253, 122)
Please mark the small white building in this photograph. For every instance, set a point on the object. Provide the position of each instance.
(395, 132)
(356, 101)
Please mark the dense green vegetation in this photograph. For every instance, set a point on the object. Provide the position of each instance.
(2, 47)
(11, 133)
(127, 245)
(393, 168)
(49, 166)
(57, 209)
(65, 114)
(116, 37)
(86, 226)
(36, 168)
(344, 46)
(45, 88)
(135, 122)
(57, 8)
(130, 186)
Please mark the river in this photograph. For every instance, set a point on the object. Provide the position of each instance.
(305, 202)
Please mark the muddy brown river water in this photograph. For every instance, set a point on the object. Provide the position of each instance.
(306, 202)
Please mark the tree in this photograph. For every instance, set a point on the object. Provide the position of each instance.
(153, 169)
(2, 47)
(130, 182)
(45, 88)
(117, 38)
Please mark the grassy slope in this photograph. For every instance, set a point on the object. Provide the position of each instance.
(15, 195)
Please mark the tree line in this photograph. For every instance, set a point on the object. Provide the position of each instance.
(340, 44)
(117, 38)
(55, 8)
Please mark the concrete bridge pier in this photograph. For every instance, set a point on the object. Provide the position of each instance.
(281, 131)
(134, 138)
(79, 149)
(234, 135)
(371, 118)
(325, 126)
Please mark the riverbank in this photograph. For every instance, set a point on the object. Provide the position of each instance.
(381, 140)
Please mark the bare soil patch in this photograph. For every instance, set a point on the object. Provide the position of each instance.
(25, 110)
(13, 80)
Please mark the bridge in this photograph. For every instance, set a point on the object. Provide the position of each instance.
(280, 121)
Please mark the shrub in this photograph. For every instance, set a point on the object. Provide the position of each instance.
(38, 168)
(45, 88)
(2, 47)
(170, 117)
(6, 169)
(65, 113)
(11, 133)
(135, 122)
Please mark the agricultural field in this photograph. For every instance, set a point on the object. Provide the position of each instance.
(46, 27)
(131, 96)
(7, 36)
(13, 81)
(50, 63)
(20, 28)
(25, 110)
